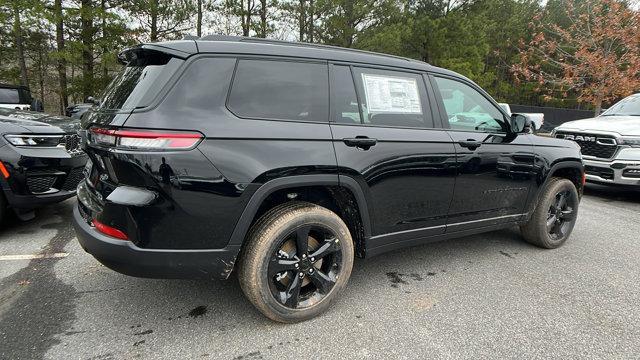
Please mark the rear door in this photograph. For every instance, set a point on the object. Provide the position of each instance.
(494, 165)
(385, 138)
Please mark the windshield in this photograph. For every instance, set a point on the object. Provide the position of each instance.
(629, 106)
(9, 96)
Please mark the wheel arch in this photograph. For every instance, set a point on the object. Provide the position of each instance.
(572, 170)
(338, 187)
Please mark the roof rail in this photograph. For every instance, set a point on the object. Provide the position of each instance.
(218, 37)
(297, 43)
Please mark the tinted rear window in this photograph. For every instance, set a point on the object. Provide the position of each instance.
(287, 90)
(137, 85)
(9, 96)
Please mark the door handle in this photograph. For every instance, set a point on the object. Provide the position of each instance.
(470, 144)
(361, 142)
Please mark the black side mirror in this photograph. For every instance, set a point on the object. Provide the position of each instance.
(521, 124)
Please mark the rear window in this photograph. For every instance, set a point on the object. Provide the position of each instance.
(138, 83)
(393, 98)
(9, 96)
(284, 90)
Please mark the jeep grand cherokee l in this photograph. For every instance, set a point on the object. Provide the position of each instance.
(283, 161)
(39, 163)
(610, 143)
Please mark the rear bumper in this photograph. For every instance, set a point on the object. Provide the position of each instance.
(616, 172)
(126, 258)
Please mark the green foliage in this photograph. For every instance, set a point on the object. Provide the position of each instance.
(477, 38)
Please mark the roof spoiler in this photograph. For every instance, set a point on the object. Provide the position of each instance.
(149, 54)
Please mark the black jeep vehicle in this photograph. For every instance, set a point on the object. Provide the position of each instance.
(285, 160)
(40, 160)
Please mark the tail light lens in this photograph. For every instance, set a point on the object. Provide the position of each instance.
(147, 140)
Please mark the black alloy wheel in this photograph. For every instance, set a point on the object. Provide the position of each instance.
(297, 260)
(561, 214)
(305, 266)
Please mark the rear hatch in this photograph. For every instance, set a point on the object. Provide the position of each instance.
(135, 186)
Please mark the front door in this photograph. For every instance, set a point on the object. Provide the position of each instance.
(385, 139)
(494, 165)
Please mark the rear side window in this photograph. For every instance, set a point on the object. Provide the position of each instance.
(344, 99)
(393, 98)
(280, 90)
(138, 83)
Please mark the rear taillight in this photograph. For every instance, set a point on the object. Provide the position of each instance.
(139, 139)
(109, 230)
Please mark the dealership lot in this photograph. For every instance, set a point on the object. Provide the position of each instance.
(482, 296)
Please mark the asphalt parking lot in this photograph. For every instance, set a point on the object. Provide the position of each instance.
(486, 296)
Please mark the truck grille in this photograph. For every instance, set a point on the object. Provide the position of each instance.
(600, 146)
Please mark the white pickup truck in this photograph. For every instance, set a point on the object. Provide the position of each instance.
(536, 118)
(610, 143)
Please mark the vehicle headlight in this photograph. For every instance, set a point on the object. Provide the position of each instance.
(631, 141)
(33, 140)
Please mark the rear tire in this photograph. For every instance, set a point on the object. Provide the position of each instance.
(554, 216)
(297, 260)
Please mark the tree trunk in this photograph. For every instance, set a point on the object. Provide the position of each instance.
(598, 105)
(61, 62)
(350, 28)
(199, 20)
(105, 70)
(17, 32)
(153, 12)
(263, 19)
(86, 34)
(311, 13)
(41, 74)
(246, 23)
(302, 20)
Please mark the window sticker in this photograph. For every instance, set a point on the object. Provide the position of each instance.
(391, 94)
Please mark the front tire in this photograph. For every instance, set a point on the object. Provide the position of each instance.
(555, 215)
(297, 260)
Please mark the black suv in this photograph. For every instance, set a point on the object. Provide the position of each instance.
(40, 160)
(286, 160)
